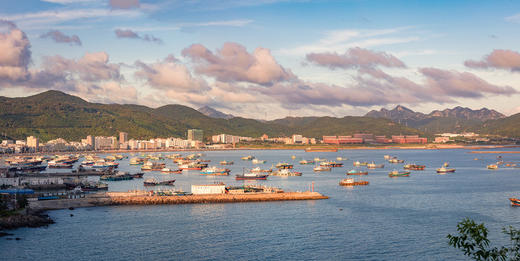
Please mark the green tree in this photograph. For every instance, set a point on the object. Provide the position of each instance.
(473, 241)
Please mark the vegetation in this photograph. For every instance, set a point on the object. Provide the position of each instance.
(473, 241)
(54, 114)
(509, 126)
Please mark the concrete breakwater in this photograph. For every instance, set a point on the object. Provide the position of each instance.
(122, 198)
(143, 198)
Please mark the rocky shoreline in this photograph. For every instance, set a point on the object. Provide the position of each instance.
(25, 220)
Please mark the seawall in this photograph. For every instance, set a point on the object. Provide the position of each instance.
(122, 199)
(133, 198)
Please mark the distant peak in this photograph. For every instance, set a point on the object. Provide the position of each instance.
(210, 112)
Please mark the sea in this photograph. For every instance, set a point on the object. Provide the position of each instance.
(404, 218)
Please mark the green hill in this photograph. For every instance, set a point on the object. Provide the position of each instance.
(54, 114)
(509, 126)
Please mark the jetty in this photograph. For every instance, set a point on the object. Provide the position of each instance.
(148, 198)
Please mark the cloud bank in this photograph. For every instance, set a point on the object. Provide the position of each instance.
(60, 37)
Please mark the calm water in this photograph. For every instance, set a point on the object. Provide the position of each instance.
(391, 219)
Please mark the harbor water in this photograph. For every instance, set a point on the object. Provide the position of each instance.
(404, 218)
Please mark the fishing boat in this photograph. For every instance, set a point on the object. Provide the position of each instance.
(58, 165)
(251, 176)
(93, 186)
(306, 162)
(414, 167)
(247, 157)
(153, 166)
(445, 170)
(136, 161)
(168, 170)
(396, 173)
(356, 172)
(352, 182)
(331, 164)
(317, 159)
(321, 168)
(284, 165)
(375, 166)
(356, 163)
(259, 170)
(387, 157)
(286, 173)
(138, 175)
(515, 202)
(154, 182)
(117, 177)
(215, 171)
(492, 166)
(224, 162)
(395, 160)
(341, 158)
(257, 161)
(192, 166)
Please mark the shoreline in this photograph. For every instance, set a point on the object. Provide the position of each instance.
(396, 147)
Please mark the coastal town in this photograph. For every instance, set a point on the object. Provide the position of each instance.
(195, 140)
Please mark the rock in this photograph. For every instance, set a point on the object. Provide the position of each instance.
(19, 220)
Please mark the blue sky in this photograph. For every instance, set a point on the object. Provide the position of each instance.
(294, 58)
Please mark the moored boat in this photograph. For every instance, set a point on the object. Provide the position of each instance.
(492, 166)
(352, 182)
(286, 173)
(215, 171)
(321, 168)
(251, 176)
(396, 173)
(306, 162)
(445, 170)
(515, 202)
(247, 157)
(284, 165)
(258, 170)
(257, 161)
(356, 172)
(414, 167)
(375, 166)
(225, 162)
(168, 170)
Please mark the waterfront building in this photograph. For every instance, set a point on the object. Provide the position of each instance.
(123, 137)
(91, 140)
(33, 143)
(297, 139)
(105, 143)
(196, 134)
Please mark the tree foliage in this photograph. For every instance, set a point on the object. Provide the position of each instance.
(473, 241)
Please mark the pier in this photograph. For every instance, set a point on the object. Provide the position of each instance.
(143, 198)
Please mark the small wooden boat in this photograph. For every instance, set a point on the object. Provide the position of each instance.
(396, 173)
(225, 162)
(257, 161)
(492, 166)
(284, 165)
(306, 162)
(356, 172)
(322, 168)
(395, 160)
(154, 182)
(414, 167)
(515, 202)
(375, 166)
(247, 157)
(259, 170)
(445, 170)
(331, 164)
(167, 170)
(215, 171)
(286, 173)
(352, 182)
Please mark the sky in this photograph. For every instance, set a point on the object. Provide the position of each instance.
(266, 59)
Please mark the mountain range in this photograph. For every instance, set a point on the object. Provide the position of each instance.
(54, 114)
(210, 112)
(449, 120)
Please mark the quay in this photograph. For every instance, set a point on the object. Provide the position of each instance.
(144, 198)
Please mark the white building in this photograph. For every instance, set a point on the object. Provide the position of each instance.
(208, 189)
